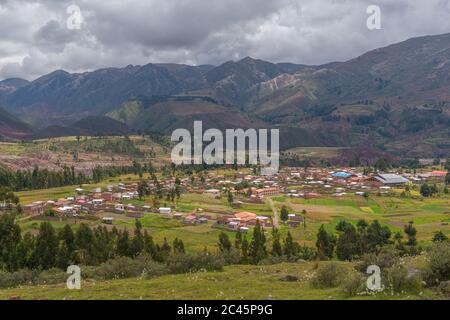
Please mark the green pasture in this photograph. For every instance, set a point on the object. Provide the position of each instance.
(243, 282)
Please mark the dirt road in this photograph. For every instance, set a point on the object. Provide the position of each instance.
(275, 213)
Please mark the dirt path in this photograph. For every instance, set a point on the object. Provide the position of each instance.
(275, 213)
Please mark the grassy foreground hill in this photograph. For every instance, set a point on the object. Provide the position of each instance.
(235, 282)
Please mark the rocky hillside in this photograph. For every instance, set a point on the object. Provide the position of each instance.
(89, 126)
(165, 114)
(8, 86)
(11, 127)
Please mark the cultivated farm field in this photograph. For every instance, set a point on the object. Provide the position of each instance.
(84, 153)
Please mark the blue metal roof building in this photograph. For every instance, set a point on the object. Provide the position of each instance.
(342, 174)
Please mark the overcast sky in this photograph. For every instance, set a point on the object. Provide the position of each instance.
(35, 39)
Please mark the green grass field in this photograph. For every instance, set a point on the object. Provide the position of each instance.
(429, 215)
(235, 282)
(27, 197)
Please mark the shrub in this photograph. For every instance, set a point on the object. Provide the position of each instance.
(385, 259)
(184, 263)
(438, 266)
(444, 287)
(52, 276)
(25, 277)
(271, 260)
(440, 236)
(307, 253)
(18, 278)
(153, 268)
(231, 257)
(353, 285)
(117, 268)
(397, 280)
(328, 276)
(125, 267)
(410, 250)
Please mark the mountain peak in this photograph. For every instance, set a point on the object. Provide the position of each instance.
(248, 59)
(12, 127)
(14, 81)
(10, 85)
(53, 75)
(59, 72)
(367, 91)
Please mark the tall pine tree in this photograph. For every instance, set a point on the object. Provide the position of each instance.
(325, 244)
(258, 250)
(46, 247)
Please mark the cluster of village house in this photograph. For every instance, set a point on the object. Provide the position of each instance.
(292, 182)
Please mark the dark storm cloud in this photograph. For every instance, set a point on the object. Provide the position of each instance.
(54, 37)
(175, 24)
(122, 32)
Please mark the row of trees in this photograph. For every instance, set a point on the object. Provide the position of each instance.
(40, 178)
(44, 178)
(86, 246)
(170, 194)
(427, 190)
(110, 146)
(352, 242)
(102, 173)
(94, 246)
(257, 249)
(8, 197)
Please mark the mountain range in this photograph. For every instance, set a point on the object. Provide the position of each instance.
(395, 99)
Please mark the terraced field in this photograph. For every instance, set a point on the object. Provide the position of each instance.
(428, 215)
(323, 153)
(82, 153)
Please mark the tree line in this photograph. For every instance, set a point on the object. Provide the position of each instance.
(43, 178)
(8, 197)
(85, 246)
(257, 249)
(427, 190)
(352, 242)
(94, 246)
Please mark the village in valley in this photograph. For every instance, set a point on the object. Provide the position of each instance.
(209, 151)
(124, 214)
(235, 200)
(175, 221)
